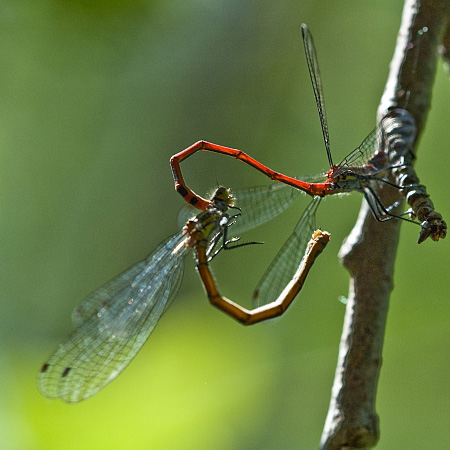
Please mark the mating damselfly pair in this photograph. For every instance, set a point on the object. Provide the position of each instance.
(114, 322)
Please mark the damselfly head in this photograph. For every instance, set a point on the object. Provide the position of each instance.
(222, 198)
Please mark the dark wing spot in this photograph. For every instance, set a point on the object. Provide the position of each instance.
(66, 372)
(45, 367)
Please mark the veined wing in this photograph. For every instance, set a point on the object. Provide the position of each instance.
(259, 205)
(362, 158)
(314, 74)
(286, 262)
(186, 212)
(112, 325)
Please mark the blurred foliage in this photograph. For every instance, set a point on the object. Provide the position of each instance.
(95, 97)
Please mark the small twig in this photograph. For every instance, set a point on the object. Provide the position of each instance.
(369, 251)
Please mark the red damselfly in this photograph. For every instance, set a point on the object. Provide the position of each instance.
(362, 170)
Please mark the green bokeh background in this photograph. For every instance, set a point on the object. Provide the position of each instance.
(95, 97)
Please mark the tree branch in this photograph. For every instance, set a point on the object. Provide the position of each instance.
(369, 251)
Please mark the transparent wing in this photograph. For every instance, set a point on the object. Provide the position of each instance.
(186, 212)
(112, 325)
(362, 159)
(258, 205)
(261, 204)
(283, 267)
(316, 81)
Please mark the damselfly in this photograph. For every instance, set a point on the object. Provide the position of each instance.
(362, 170)
(114, 322)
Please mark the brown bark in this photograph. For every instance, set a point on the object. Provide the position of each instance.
(369, 251)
